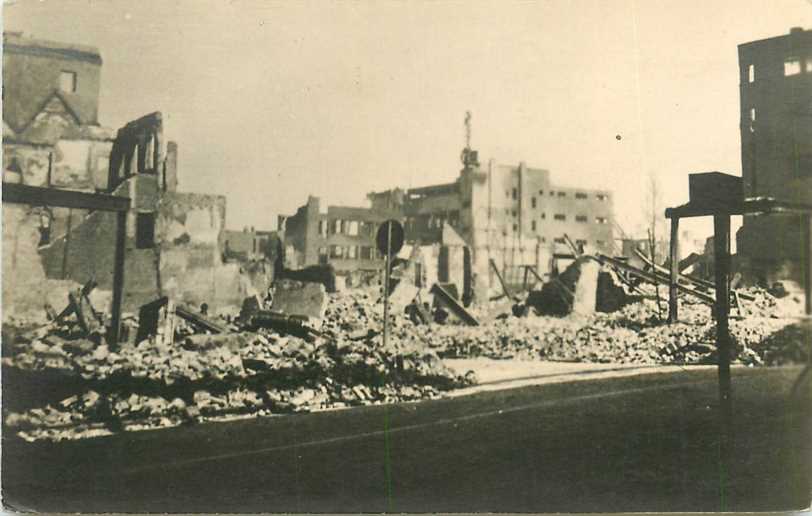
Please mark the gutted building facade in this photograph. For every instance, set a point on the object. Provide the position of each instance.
(776, 150)
(339, 235)
(52, 139)
(509, 215)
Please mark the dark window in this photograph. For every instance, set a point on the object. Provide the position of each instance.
(515, 194)
(601, 220)
(543, 215)
(580, 242)
(533, 225)
(580, 195)
(560, 216)
(144, 230)
(581, 218)
(602, 197)
(44, 229)
(562, 194)
(366, 253)
(541, 192)
(515, 228)
(532, 202)
(560, 240)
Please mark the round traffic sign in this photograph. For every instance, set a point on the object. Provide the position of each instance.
(390, 236)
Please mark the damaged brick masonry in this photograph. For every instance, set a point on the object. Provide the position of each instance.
(52, 138)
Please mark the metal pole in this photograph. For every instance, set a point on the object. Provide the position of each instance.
(118, 277)
(673, 302)
(386, 284)
(807, 261)
(721, 242)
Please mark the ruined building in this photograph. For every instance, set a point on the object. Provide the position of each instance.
(514, 216)
(776, 149)
(52, 138)
(340, 235)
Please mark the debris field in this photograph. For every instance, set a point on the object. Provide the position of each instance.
(193, 368)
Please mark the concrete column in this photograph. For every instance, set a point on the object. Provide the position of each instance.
(673, 302)
(721, 242)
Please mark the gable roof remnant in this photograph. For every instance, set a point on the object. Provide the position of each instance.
(14, 42)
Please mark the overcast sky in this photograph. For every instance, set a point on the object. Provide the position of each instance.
(272, 101)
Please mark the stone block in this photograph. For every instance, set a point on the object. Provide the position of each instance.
(300, 298)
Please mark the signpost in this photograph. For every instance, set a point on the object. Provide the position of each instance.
(390, 241)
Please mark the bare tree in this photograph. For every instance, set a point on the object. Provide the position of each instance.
(655, 218)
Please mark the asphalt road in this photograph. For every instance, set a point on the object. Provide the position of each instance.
(644, 443)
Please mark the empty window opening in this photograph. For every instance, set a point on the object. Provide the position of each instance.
(144, 230)
(352, 252)
(792, 66)
(560, 216)
(352, 228)
(751, 73)
(67, 81)
(581, 218)
(44, 228)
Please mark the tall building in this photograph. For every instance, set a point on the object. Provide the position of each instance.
(776, 149)
(509, 215)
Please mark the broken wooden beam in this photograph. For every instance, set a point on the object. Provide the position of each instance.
(502, 281)
(449, 302)
(653, 278)
(198, 321)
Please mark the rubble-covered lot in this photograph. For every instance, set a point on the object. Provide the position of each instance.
(264, 372)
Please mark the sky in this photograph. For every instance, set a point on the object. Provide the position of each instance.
(273, 101)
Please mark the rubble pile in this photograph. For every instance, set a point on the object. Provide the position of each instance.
(203, 377)
(267, 363)
(634, 334)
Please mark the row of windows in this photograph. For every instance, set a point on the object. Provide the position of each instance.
(514, 194)
(792, 66)
(563, 217)
(346, 227)
(349, 252)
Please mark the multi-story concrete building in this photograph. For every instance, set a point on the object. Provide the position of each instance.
(512, 215)
(340, 235)
(776, 150)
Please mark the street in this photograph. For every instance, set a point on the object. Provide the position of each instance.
(637, 443)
